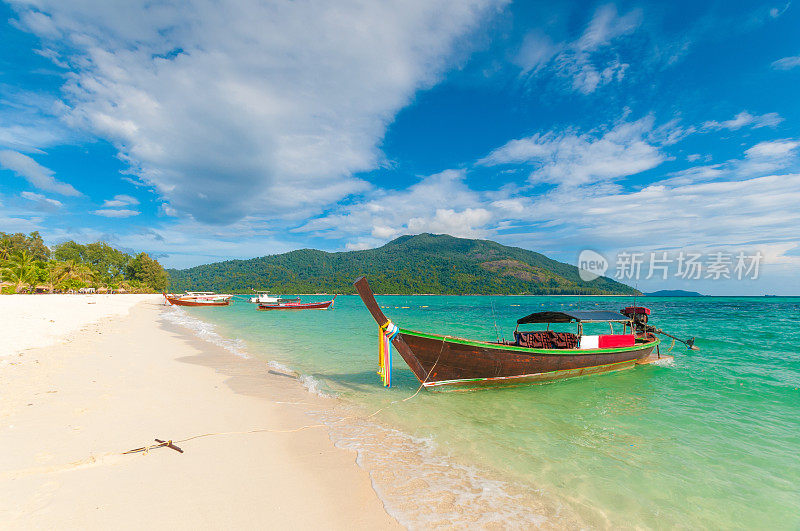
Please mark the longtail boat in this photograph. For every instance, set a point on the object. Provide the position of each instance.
(447, 362)
(291, 305)
(198, 298)
(263, 297)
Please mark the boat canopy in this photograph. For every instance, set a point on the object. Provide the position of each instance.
(586, 316)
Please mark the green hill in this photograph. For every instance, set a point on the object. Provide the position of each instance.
(425, 263)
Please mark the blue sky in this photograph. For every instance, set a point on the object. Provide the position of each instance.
(206, 130)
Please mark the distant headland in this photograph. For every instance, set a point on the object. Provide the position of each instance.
(674, 293)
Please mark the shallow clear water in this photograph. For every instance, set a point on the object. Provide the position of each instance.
(711, 439)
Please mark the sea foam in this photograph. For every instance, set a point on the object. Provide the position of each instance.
(203, 330)
(422, 487)
(314, 386)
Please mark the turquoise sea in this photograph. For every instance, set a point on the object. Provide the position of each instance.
(709, 440)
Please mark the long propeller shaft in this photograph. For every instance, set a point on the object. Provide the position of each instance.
(688, 342)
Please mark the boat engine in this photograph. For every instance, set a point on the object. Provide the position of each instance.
(639, 316)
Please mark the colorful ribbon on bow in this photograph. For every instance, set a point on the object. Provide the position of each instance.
(386, 333)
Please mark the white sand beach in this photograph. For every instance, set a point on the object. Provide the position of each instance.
(83, 379)
(31, 321)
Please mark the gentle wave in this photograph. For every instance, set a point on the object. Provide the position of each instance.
(207, 332)
(311, 384)
(280, 367)
(203, 330)
(314, 386)
(423, 488)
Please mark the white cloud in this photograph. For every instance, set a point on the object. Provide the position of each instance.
(760, 159)
(467, 223)
(775, 12)
(607, 25)
(11, 223)
(42, 200)
(766, 157)
(585, 60)
(29, 121)
(787, 63)
(33, 172)
(439, 203)
(744, 119)
(738, 212)
(358, 246)
(185, 242)
(120, 201)
(166, 210)
(572, 158)
(115, 213)
(696, 174)
(772, 149)
(536, 51)
(28, 137)
(230, 107)
(20, 218)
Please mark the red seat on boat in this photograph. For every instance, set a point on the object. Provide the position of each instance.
(546, 339)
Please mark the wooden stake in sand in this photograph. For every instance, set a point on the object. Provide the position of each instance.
(161, 444)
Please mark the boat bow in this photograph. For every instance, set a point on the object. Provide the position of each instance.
(368, 298)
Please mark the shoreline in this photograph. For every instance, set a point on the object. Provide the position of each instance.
(411, 474)
(115, 385)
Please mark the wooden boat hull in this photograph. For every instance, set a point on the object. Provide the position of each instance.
(449, 363)
(179, 302)
(452, 363)
(297, 306)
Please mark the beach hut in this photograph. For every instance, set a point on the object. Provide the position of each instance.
(102, 290)
(122, 290)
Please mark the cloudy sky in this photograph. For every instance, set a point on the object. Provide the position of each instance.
(201, 130)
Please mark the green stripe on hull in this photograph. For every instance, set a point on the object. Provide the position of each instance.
(512, 348)
(526, 379)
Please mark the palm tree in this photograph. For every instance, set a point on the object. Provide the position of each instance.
(72, 270)
(55, 274)
(20, 269)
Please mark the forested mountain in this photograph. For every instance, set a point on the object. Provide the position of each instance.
(425, 263)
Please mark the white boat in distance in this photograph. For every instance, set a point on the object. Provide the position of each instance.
(263, 297)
